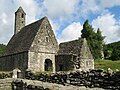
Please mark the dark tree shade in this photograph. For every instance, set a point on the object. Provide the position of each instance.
(112, 51)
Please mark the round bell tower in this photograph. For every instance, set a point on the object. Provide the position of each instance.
(19, 20)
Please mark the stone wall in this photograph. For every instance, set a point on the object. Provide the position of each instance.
(36, 61)
(5, 84)
(50, 86)
(10, 62)
(6, 63)
(87, 61)
(94, 78)
(78, 48)
(44, 46)
(44, 41)
(64, 62)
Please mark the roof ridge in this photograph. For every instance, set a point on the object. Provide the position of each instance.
(40, 20)
(71, 41)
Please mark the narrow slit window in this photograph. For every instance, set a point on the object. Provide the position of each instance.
(22, 15)
(47, 39)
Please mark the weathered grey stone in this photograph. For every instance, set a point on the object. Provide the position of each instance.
(5, 84)
(53, 86)
(75, 55)
(19, 20)
(35, 47)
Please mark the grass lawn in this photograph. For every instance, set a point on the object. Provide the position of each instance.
(105, 64)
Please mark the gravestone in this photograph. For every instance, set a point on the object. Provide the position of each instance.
(16, 73)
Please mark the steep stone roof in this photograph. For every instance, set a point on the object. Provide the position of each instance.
(22, 41)
(71, 47)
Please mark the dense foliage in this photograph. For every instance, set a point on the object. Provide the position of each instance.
(2, 49)
(95, 40)
(112, 51)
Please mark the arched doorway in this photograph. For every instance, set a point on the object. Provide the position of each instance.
(48, 65)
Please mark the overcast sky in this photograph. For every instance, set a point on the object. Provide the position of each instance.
(66, 17)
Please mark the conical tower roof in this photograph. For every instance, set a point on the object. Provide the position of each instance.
(20, 9)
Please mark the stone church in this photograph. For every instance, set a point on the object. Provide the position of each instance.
(34, 47)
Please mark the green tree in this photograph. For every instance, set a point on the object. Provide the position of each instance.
(115, 53)
(87, 31)
(95, 39)
(112, 51)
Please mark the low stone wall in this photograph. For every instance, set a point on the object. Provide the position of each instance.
(4, 75)
(5, 84)
(53, 86)
(92, 79)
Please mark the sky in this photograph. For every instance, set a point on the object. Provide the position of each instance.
(66, 17)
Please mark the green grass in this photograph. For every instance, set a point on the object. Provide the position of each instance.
(105, 64)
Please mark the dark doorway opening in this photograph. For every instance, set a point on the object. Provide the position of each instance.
(48, 65)
(60, 67)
